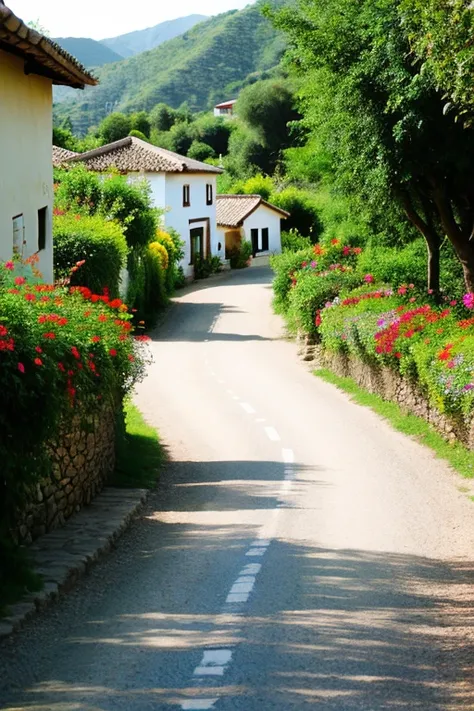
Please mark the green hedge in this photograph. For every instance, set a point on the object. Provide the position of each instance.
(91, 239)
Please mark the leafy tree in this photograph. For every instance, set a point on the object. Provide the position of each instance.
(380, 119)
(141, 122)
(200, 151)
(214, 131)
(114, 127)
(162, 117)
(138, 134)
(180, 138)
(64, 138)
(440, 33)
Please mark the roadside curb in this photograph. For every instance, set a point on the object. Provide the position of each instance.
(64, 555)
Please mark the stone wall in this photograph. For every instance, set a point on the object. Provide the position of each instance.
(389, 385)
(81, 462)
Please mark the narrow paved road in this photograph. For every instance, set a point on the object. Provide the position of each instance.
(297, 554)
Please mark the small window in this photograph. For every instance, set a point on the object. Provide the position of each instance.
(18, 234)
(42, 215)
(209, 195)
(186, 196)
(265, 239)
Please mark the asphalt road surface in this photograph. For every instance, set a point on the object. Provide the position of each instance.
(297, 554)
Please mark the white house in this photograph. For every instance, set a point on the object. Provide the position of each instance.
(29, 66)
(250, 217)
(225, 109)
(184, 188)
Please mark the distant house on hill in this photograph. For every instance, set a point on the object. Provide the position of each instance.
(29, 65)
(225, 109)
(250, 217)
(184, 188)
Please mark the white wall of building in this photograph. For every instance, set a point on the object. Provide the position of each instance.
(179, 217)
(26, 172)
(264, 217)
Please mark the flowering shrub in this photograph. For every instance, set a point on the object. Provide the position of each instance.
(161, 252)
(61, 352)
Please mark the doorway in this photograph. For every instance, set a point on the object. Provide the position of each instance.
(197, 243)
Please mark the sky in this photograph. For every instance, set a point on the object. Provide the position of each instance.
(100, 19)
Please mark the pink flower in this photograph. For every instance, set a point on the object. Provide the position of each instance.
(469, 386)
(20, 280)
(430, 291)
(21, 367)
(369, 279)
(468, 300)
(402, 290)
(453, 302)
(10, 266)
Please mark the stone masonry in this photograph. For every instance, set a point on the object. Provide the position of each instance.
(389, 385)
(81, 462)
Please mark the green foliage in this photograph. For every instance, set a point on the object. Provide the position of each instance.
(214, 131)
(258, 184)
(396, 266)
(162, 117)
(304, 215)
(240, 256)
(79, 188)
(140, 121)
(97, 242)
(200, 151)
(196, 67)
(64, 138)
(146, 288)
(91, 53)
(292, 241)
(138, 134)
(130, 204)
(284, 266)
(179, 138)
(205, 266)
(174, 246)
(310, 293)
(114, 127)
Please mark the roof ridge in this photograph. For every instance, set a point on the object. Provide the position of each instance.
(240, 195)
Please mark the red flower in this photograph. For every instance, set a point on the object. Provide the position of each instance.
(61, 321)
(3, 330)
(115, 304)
(19, 280)
(38, 361)
(38, 349)
(142, 338)
(95, 339)
(103, 318)
(334, 241)
(61, 368)
(21, 367)
(112, 352)
(10, 266)
(49, 335)
(131, 358)
(8, 345)
(75, 353)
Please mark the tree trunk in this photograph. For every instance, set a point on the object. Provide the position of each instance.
(459, 238)
(432, 240)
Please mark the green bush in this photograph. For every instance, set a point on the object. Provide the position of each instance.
(304, 215)
(130, 204)
(206, 266)
(79, 189)
(284, 265)
(200, 151)
(292, 241)
(134, 133)
(309, 294)
(146, 289)
(406, 265)
(240, 256)
(90, 239)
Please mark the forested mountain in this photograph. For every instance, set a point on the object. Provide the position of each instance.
(143, 40)
(88, 51)
(200, 67)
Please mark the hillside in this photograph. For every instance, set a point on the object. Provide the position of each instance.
(88, 51)
(143, 40)
(197, 68)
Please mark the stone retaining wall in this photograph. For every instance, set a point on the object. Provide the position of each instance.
(81, 462)
(389, 385)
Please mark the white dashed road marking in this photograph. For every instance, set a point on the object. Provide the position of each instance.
(288, 456)
(214, 662)
(198, 704)
(248, 408)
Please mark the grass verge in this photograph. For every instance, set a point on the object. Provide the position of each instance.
(458, 456)
(140, 454)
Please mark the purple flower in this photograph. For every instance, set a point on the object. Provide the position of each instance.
(469, 386)
(381, 322)
(468, 300)
(314, 264)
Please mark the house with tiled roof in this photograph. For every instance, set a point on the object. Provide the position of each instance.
(61, 156)
(29, 66)
(185, 189)
(251, 218)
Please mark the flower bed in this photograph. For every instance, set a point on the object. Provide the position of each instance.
(64, 354)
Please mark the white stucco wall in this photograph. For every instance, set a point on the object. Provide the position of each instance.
(26, 171)
(179, 217)
(264, 217)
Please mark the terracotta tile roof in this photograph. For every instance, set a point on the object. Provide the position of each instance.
(42, 55)
(61, 155)
(232, 210)
(131, 155)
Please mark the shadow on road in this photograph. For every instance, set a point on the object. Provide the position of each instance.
(338, 630)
